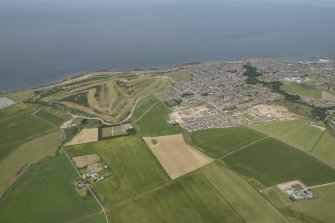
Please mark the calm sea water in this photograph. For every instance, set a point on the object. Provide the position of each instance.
(42, 41)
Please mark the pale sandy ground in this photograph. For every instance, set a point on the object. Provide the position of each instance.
(85, 136)
(176, 157)
(82, 161)
(274, 111)
(287, 185)
(320, 127)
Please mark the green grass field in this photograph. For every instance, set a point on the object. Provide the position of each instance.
(17, 126)
(189, 199)
(247, 201)
(14, 165)
(298, 132)
(321, 209)
(272, 162)
(48, 117)
(303, 90)
(179, 75)
(151, 118)
(325, 148)
(46, 194)
(219, 142)
(134, 168)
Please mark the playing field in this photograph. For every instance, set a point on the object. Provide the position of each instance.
(16, 163)
(303, 90)
(85, 136)
(134, 168)
(328, 96)
(325, 148)
(17, 126)
(46, 194)
(151, 118)
(219, 142)
(245, 199)
(179, 75)
(319, 209)
(272, 162)
(190, 199)
(298, 132)
(176, 157)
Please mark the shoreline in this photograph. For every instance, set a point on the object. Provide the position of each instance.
(82, 74)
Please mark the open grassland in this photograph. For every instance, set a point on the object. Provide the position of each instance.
(49, 117)
(151, 118)
(31, 152)
(303, 90)
(219, 142)
(17, 126)
(325, 148)
(298, 132)
(95, 218)
(319, 209)
(189, 199)
(134, 168)
(247, 201)
(272, 162)
(179, 75)
(46, 194)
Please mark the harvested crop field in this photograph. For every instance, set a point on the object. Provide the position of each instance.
(85, 136)
(176, 157)
(82, 161)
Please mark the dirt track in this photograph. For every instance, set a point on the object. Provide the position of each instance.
(176, 157)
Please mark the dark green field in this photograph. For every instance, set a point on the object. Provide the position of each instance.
(17, 126)
(190, 199)
(219, 142)
(153, 122)
(47, 116)
(134, 168)
(46, 194)
(272, 162)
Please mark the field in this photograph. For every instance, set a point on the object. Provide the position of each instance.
(151, 118)
(325, 148)
(82, 161)
(17, 126)
(46, 194)
(327, 96)
(320, 209)
(272, 162)
(49, 117)
(303, 90)
(179, 75)
(176, 157)
(189, 199)
(134, 168)
(247, 201)
(6, 102)
(85, 136)
(219, 142)
(298, 132)
(16, 163)
(107, 132)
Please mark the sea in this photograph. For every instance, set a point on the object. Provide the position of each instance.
(43, 41)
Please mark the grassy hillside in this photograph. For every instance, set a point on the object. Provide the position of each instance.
(46, 194)
(325, 148)
(219, 142)
(272, 162)
(190, 199)
(303, 90)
